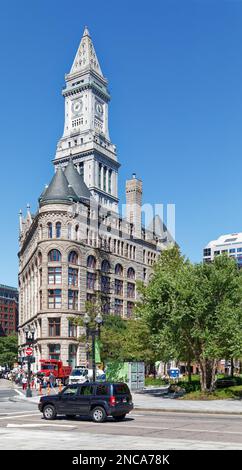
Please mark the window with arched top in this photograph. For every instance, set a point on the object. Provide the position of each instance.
(131, 273)
(50, 231)
(76, 232)
(58, 229)
(73, 257)
(54, 255)
(91, 262)
(119, 270)
(39, 258)
(105, 267)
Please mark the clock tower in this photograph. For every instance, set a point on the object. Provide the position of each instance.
(86, 136)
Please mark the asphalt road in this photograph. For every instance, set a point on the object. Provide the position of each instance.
(140, 430)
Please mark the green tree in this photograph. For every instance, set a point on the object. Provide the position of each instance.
(8, 349)
(194, 311)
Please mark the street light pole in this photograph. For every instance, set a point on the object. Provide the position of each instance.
(93, 332)
(93, 356)
(29, 332)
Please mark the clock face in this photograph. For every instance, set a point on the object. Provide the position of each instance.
(76, 106)
(99, 108)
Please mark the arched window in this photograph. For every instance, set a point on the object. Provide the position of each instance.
(131, 273)
(105, 268)
(58, 229)
(41, 231)
(76, 232)
(39, 258)
(119, 269)
(91, 262)
(49, 225)
(73, 257)
(54, 255)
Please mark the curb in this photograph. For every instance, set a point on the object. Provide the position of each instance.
(176, 410)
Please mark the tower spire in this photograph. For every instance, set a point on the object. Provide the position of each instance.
(86, 57)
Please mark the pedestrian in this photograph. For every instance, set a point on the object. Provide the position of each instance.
(52, 380)
(24, 382)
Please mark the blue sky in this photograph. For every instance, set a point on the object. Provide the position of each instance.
(175, 75)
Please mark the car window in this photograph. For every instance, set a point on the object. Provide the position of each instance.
(102, 390)
(86, 390)
(70, 391)
(120, 389)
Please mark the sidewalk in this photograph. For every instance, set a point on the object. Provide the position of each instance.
(151, 402)
(160, 403)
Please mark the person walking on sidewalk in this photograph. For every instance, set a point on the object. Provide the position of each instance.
(24, 382)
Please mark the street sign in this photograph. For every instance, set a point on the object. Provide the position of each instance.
(29, 352)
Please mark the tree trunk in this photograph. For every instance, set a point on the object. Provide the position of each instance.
(232, 367)
(207, 377)
(189, 371)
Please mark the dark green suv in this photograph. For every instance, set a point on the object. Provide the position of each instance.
(97, 400)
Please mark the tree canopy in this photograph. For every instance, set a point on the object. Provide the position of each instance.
(194, 311)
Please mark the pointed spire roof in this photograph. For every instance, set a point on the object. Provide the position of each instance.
(86, 58)
(76, 181)
(58, 191)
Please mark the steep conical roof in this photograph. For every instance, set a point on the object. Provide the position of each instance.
(58, 191)
(86, 57)
(76, 181)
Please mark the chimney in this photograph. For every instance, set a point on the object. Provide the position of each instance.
(134, 204)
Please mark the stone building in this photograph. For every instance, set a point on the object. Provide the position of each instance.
(77, 244)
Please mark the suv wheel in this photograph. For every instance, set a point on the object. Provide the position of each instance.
(49, 412)
(120, 417)
(98, 414)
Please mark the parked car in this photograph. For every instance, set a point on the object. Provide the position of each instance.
(96, 400)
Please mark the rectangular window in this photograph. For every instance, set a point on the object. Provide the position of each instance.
(105, 305)
(118, 307)
(207, 252)
(54, 351)
(105, 284)
(54, 326)
(232, 250)
(104, 178)
(54, 275)
(216, 253)
(72, 330)
(110, 181)
(72, 277)
(99, 175)
(54, 298)
(91, 280)
(40, 277)
(130, 290)
(91, 298)
(118, 287)
(130, 308)
(239, 250)
(72, 299)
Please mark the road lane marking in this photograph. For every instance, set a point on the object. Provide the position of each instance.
(19, 416)
(15, 413)
(28, 425)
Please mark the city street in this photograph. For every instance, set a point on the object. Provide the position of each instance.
(141, 429)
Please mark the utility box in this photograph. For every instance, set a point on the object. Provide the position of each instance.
(132, 373)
